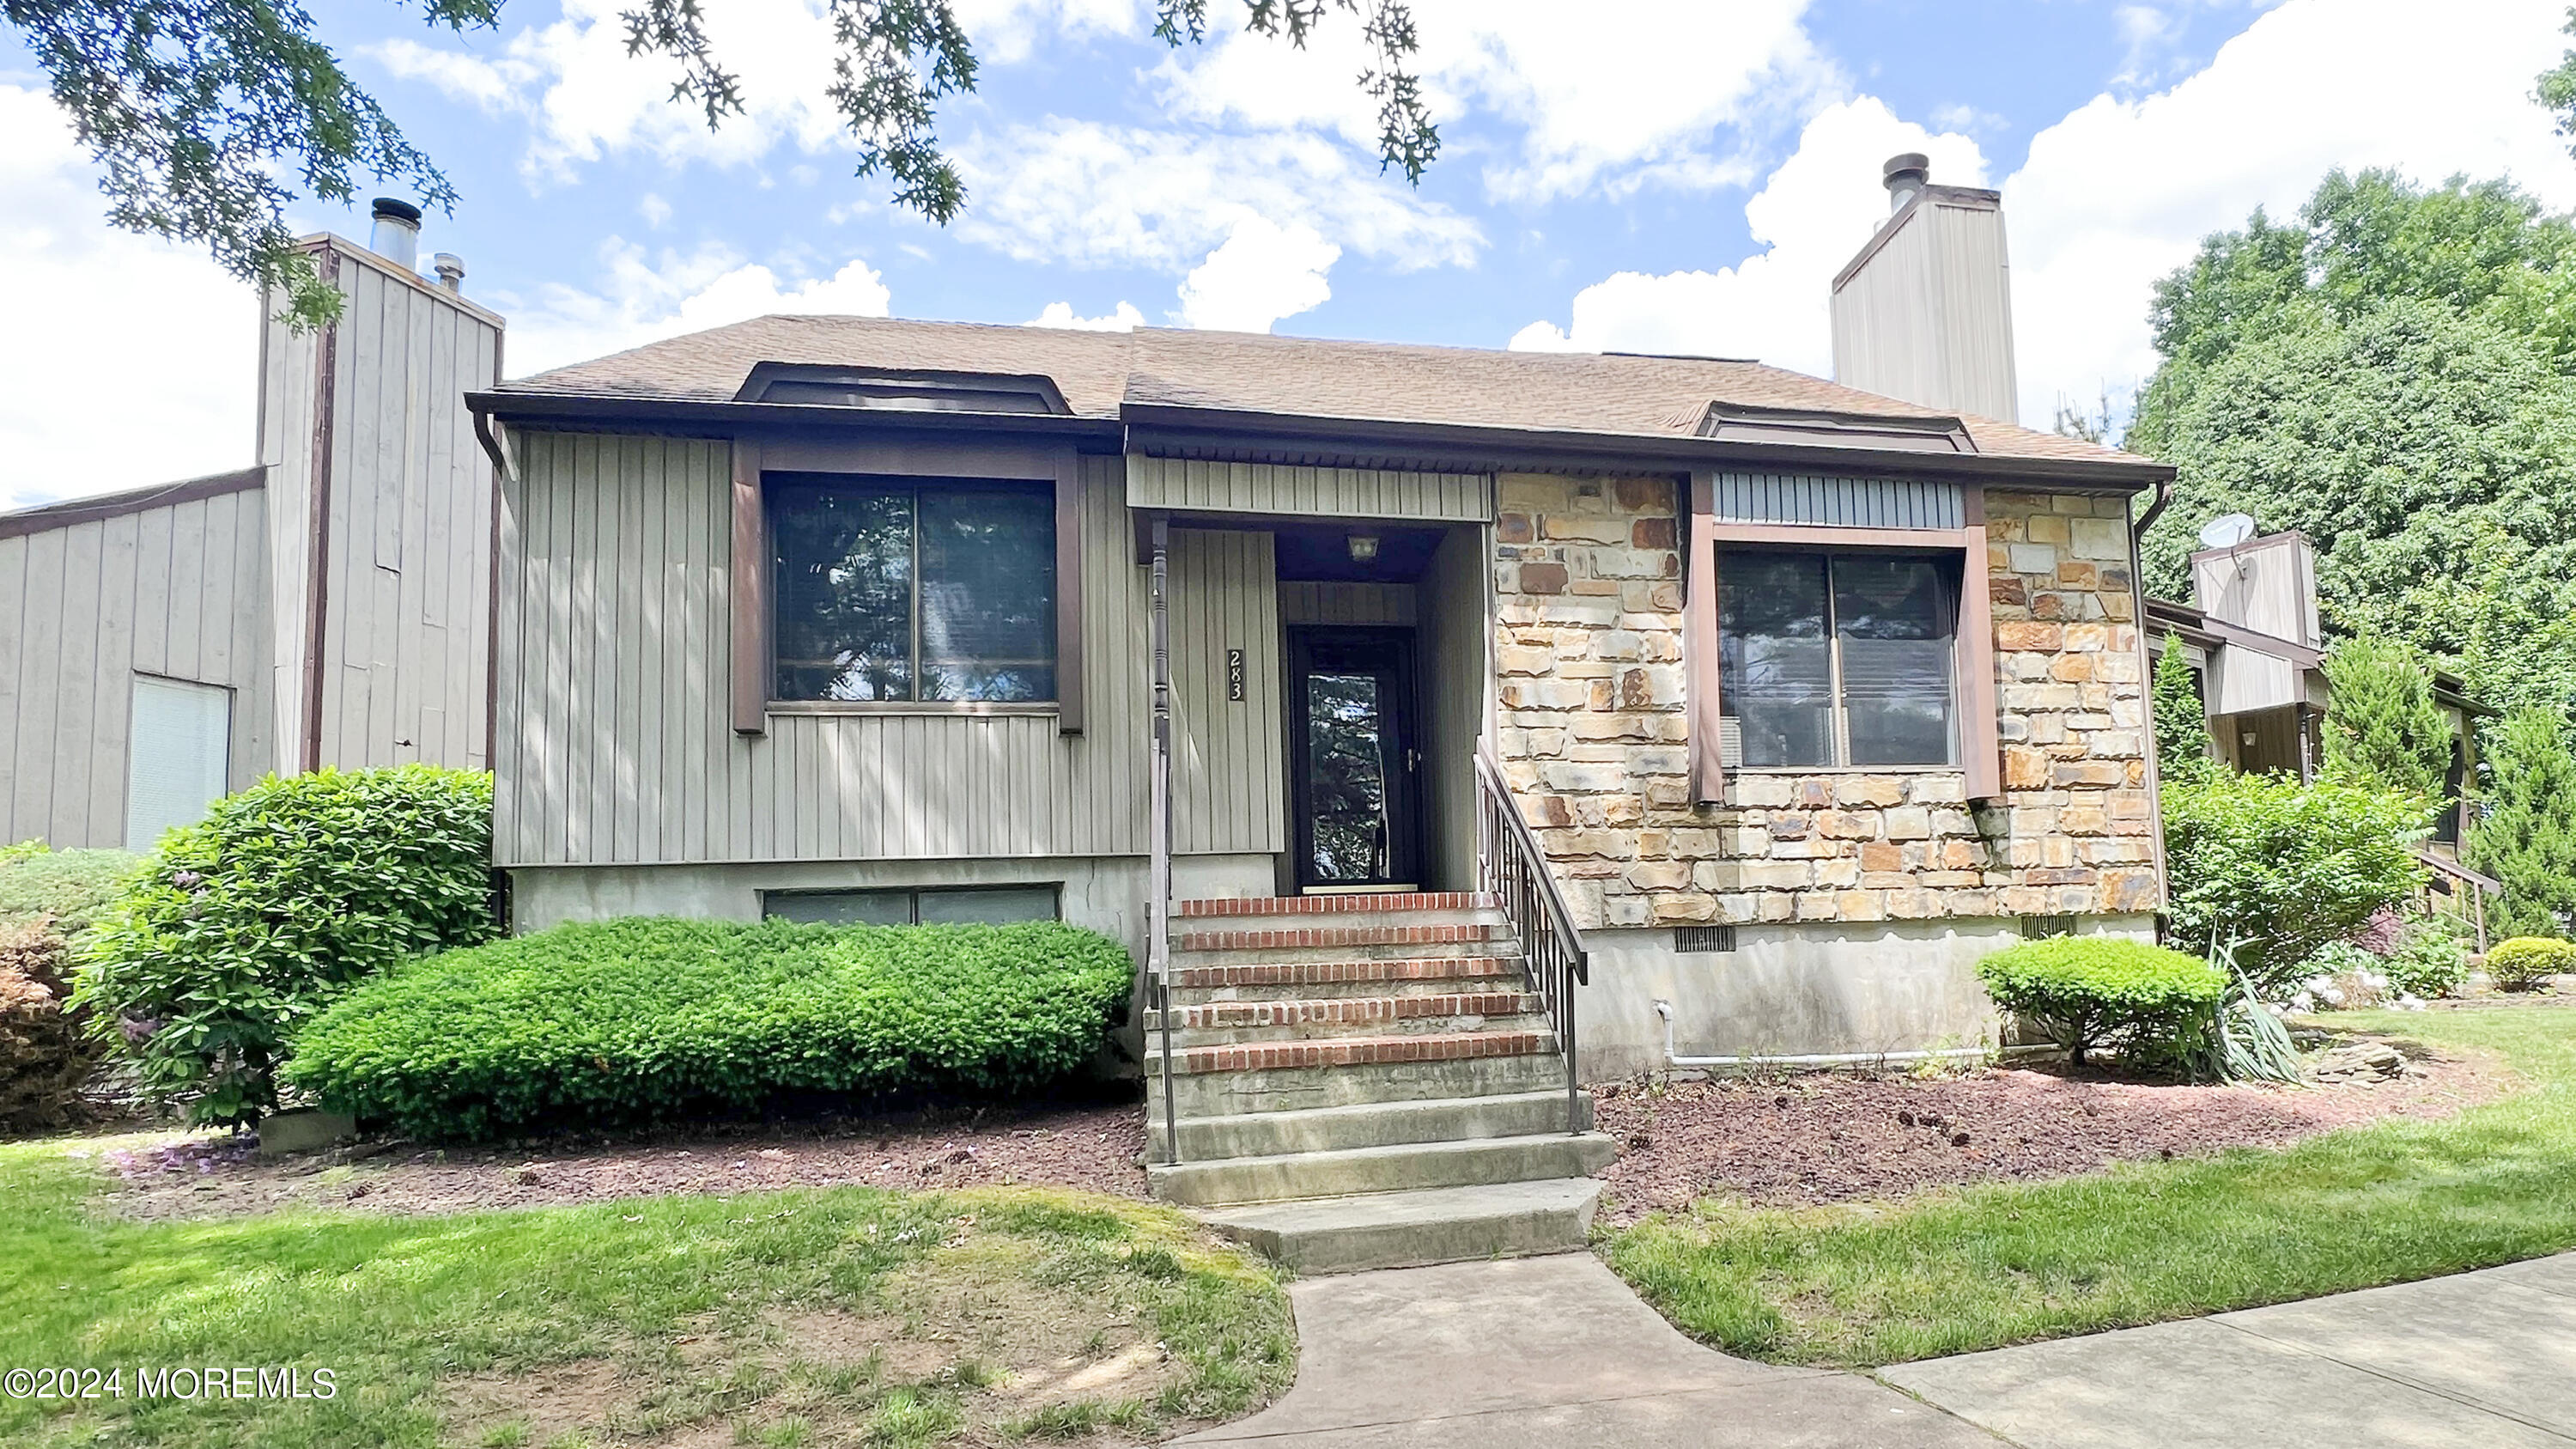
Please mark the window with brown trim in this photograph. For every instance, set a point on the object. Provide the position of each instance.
(893, 590)
(1837, 660)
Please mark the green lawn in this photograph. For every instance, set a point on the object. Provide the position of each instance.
(1868, 1284)
(780, 1319)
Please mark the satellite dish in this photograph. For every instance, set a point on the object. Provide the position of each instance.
(2227, 530)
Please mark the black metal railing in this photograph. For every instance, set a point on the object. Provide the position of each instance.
(1511, 868)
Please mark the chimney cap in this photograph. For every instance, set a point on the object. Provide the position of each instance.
(451, 270)
(387, 207)
(1907, 169)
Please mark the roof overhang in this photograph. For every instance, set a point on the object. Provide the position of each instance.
(46, 516)
(692, 418)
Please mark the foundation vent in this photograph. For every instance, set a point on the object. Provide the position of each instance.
(2036, 928)
(1698, 940)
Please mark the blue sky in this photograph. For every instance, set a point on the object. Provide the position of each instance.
(1658, 175)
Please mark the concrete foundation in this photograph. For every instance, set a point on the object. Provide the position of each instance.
(1796, 990)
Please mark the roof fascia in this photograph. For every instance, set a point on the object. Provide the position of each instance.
(608, 413)
(71, 511)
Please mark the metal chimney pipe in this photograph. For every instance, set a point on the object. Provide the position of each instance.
(1906, 173)
(397, 234)
(451, 270)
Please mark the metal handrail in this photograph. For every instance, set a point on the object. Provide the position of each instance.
(1511, 868)
(1158, 887)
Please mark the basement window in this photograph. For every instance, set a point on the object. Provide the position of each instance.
(923, 906)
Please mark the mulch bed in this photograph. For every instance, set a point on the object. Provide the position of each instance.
(1813, 1139)
(1092, 1148)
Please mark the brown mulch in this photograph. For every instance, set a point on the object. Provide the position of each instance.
(1813, 1139)
(1092, 1148)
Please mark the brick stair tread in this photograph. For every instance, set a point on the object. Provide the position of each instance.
(1333, 905)
(1354, 1010)
(1339, 1051)
(1326, 937)
(1307, 973)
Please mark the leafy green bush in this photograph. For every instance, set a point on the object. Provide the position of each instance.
(2526, 961)
(243, 925)
(2092, 991)
(2430, 959)
(72, 886)
(651, 1019)
(2283, 868)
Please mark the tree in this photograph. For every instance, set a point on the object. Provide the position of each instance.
(2383, 731)
(2389, 377)
(209, 117)
(2556, 91)
(2182, 721)
(2528, 837)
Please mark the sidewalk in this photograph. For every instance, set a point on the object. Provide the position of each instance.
(1550, 1353)
(2485, 1359)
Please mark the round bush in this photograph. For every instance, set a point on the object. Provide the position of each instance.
(240, 927)
(652, 1019)
(2282, 868)
(2092, 991)
(2527, 961)
(73, 887)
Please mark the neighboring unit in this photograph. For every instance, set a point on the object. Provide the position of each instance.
(328, 606)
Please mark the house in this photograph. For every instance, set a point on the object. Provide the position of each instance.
(2253, 640)
(328, 605)
(1334, 676)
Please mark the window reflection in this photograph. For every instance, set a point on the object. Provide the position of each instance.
(1838, 660)
(1347, 765)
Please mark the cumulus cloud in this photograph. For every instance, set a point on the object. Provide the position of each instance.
(1125, 318)
(2120, 192)
(1263, 272)
(642, 298)
(1093, 195)
(1622, 95)
(1813, 214)
(79, 414)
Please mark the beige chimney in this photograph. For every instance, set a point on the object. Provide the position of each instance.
(1924, 312)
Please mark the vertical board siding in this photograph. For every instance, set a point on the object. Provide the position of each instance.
(1197, 486)
(1346, 603)
(1838, 502)
(615, 740)
(1228, 768)
(1928, 318)
(178, 591)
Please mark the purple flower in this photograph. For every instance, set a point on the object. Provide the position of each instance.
(138, 1029)
(185, 879)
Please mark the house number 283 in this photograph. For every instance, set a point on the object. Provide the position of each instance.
(1234, 675)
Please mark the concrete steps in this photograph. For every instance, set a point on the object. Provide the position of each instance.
(1366, 1081)
(1414, 1229)
(1397, 1167)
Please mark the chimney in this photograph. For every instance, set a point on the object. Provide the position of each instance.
(451, 270)
(397, 234)
(1923, 313)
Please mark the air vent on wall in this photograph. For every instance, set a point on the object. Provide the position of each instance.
(2035, 928)
(1696, 940)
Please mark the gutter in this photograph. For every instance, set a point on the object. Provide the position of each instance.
(730, 419)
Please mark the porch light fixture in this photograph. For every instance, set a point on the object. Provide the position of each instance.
(1363, 547)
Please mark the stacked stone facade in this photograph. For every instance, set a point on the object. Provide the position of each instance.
(1594, 737)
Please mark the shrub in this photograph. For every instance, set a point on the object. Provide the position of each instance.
(44, 1057)
(2182, 721)
(651, 1019)
(242, 926)
(2385, 733)
(2429, 960)
(2091, 991)
(2527, 839)
(2283, 868)
(2527, 961)
(74, 887)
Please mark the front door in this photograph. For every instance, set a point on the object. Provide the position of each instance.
(1355, 763)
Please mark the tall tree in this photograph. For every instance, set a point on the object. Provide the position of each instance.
(208, 118)
(2182, 721)
(2528, 838)
(2384, 730)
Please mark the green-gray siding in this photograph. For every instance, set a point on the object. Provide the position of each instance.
(1191, 485)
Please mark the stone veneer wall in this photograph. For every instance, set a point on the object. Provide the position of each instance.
(1593, 737)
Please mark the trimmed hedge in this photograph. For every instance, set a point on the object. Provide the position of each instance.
(72, 887)
(2526, 961)
(2091, 991)
(650, 1019)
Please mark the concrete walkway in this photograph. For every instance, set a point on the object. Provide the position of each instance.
(1550, 1353)
(2483, 1359)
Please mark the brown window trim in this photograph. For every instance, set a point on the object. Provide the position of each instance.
(752, 624)
(914, 707)
(1980, 743)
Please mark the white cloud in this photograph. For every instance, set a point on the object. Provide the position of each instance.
(133, 361)
(1814, 213)
(1005, 31)
(1621, 94)
(2120, 192)
(642, 299)
(1263, 272)
(1095, 195)
(1060, 314)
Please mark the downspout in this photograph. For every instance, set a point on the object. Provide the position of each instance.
(2147, 697)
(317, 585)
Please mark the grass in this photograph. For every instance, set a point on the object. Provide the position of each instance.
(1983, 1267)
(843, 1315)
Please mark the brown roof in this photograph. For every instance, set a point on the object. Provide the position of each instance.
(1099, 373)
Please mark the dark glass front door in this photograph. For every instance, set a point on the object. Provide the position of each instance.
(1350, 701)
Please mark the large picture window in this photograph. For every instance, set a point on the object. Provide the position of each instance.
(890, 591)
(1838, 660)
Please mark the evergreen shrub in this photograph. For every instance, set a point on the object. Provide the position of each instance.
(2527, 961)
(2093, 991)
